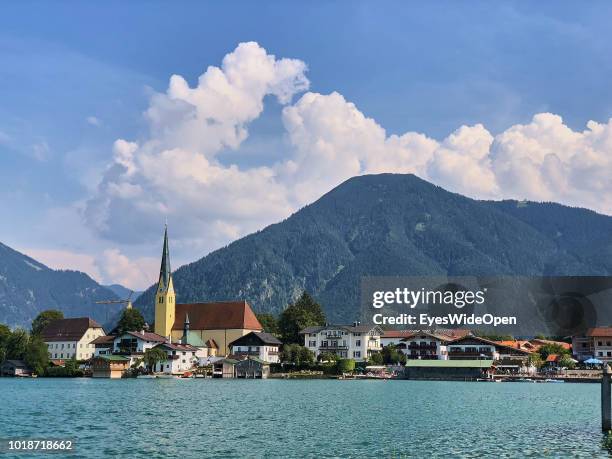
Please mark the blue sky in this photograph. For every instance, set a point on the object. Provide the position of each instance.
(78, 76)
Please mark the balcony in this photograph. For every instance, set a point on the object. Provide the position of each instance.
(255, 353)
(332, 347)
(472, 355)
(422, 346)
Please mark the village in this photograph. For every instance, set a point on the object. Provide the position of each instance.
(227, 340)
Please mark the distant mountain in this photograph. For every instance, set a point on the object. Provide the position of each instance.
(392, 224)
(123, 292)
(28, 287)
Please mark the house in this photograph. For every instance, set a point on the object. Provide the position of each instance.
(71, 338)
(109, 366)
(103, 345)
(597, 343)
(220, 322)
(134, 344)
(354, 342)
(510, 359)
(246, 368)
(14, 368)
(395, 336)
(472, 347)
(448, 369)
(257, 344)
(181, 358)
(425, 345)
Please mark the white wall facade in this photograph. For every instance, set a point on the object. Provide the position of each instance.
(267, 353)
(80, 350)
(345, 342)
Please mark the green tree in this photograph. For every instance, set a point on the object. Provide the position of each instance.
(153, 356)
(131, 320)
(296, 354)
(5, 332)
(268, 322)
(346, 365)
(327, 357)
(16, 344)
(305, 312)
(391, 355)
(376, 358)
(535, 359)
(567, 362)
(36, 354)
(552, 348)
(45, 318)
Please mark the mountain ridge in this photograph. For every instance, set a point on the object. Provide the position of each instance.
(28, 287)
(393, 224)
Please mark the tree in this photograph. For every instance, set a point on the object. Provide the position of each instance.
(552, 348)
(131, 320)
(5, 332)
(391, 355)
(153, 356)
(36, 355)
(346, 365)
(268, 322)
(567, 362)
(45, 318)
(535, 359)
(305, 312)
(327, 357)
(296, 354)
(376, 358)
(16, 344)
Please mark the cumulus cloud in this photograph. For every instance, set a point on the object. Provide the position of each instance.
(177, 170)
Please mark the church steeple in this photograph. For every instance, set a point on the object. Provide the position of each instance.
(165, 272)
(165, 297)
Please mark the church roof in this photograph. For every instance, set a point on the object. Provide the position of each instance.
(165, 272)
(217, 316)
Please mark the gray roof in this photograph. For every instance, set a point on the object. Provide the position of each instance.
(15, 363)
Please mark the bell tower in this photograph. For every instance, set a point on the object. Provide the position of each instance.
(165, 297)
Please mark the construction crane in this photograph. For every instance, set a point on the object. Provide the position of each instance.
(127, 302)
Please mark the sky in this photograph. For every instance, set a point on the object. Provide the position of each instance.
(221, 118)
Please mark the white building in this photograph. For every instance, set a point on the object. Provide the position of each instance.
(181, 358)
(136, 343)
(425, 345)
(262, 345)
(353, 342)
(71, 338)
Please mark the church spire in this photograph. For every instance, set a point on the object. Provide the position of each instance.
(165, 272)
(165, 297)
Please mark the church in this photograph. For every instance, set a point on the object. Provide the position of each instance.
(206, 325)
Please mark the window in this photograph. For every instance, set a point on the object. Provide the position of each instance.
(358, 342)
(357, 354)
(608, 343)
(600, 354)
(599, 343)
(609, 354)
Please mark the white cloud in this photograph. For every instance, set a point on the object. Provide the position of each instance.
(93, 121)
(176, 171)
(65, 259)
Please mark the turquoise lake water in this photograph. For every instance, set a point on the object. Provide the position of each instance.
(318, 418)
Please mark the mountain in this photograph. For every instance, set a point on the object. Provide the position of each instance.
(122, 292)
(392, 224)
(28, 287)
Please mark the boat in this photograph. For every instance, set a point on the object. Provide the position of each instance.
(525, 380)
(554, 381)
(145, 377)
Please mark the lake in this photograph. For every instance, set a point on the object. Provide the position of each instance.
(297, 418)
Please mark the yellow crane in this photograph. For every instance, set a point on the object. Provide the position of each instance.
(127, 302)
